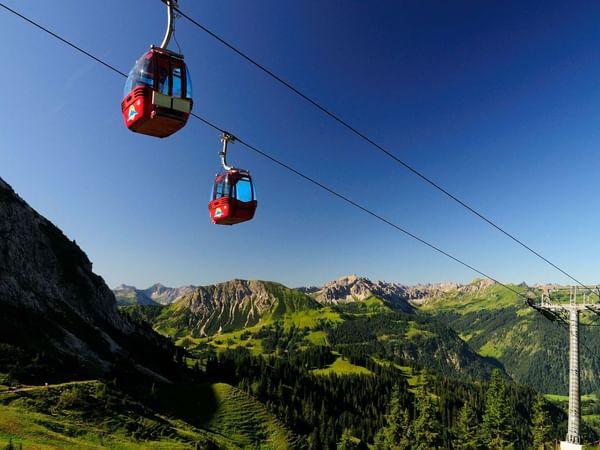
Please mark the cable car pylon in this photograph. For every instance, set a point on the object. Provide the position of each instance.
(233, 198)
(572, 310)
(158, 93)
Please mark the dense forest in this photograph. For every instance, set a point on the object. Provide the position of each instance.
(382, 408)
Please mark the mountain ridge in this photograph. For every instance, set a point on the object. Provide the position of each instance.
(344, 289)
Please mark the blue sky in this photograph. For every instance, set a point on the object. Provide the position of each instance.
(499, 102)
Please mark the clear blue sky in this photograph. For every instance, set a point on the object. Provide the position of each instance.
(497, 101)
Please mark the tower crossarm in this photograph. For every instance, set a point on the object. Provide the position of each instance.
(595, 308)
(569, 307)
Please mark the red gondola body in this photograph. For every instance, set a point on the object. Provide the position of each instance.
(158, 94)
(233, 199)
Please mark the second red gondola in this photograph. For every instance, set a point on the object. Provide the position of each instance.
(233, 198)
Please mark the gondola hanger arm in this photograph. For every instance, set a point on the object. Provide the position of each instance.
(226, 138)
(170, 23)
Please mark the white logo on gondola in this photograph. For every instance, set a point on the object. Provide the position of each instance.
(132, 113)
(218, 212)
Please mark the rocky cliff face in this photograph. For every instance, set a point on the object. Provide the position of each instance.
(52, 306)
(231, 305)
(41, 270)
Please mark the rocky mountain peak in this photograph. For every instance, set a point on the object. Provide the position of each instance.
(351, 288)
(356, 288)
(347, 288)
(350, 279)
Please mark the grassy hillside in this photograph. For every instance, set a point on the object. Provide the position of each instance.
(407, 340)
(289, 300)
(341, 366)
(94, 415)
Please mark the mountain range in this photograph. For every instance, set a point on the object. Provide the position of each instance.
(345, 289)
(347, 314)
(491, 320)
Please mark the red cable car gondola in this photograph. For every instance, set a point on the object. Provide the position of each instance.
(158, 92)
(233, 198)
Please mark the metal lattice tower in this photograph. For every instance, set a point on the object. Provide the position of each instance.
(578, 302)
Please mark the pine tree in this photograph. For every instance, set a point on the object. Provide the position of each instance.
(426, 426)
(540, 424)
(314, 442)
(347, 441)
(396, 434)
(496, 431)
(467, 436)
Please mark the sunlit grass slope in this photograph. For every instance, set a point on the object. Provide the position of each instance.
(90, 415)
(341, 366)
(247, 421)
